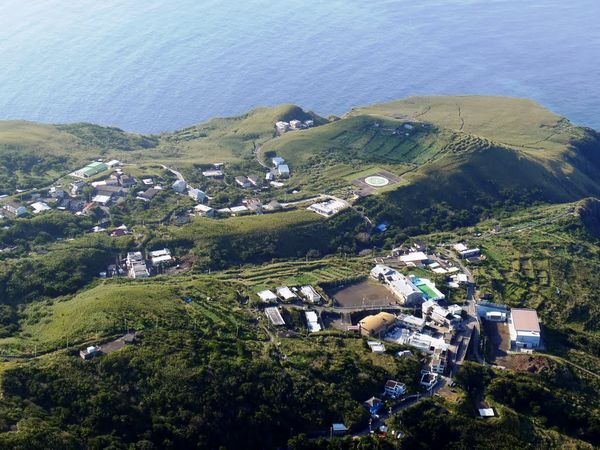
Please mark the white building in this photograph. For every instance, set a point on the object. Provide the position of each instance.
(267, 296)
(102, 199)
(204, 210)
(524, 328)
(38, 207)
(394, 388)
(414, 259)
(277, 160)
(464, 251)
(285, 293)
(329, 207)
(197, 195)
(283, 170)
(411, 322)
(274, 316)
(136, 265)
(179, 186)
(312, 321)
(213, 173)
(433, 311)
(400, 285)
(162, 256)
(310, 294)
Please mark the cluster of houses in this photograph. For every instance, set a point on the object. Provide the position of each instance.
(287, 294)
(137, 266)
(284, 127)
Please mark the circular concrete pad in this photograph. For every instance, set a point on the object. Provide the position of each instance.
(377, 181)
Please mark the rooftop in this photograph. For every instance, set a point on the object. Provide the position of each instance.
(525, 319)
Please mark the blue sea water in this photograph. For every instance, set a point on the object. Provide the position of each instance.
(152, 65)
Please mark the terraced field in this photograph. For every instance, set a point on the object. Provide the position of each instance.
(297, 272)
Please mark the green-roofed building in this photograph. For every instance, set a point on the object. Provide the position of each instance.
(91, 169)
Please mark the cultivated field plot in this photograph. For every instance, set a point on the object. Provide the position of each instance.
(365, 294)
(367, 185)
(498, 337)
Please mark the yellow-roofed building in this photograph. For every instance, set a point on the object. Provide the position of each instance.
(376, 325)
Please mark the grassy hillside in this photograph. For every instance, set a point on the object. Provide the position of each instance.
(230, 139)
(368, 139)
(509, 121)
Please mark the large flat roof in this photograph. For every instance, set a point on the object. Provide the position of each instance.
(525, 319)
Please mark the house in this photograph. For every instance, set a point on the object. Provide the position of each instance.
(282, 126)
(283, 170)
(243, 182)
(161, 257)
(310, 294)
(274, 316)
(338, 429)
(147, 181)
(38, 207)
(465, 252)
(285, 293)
(376, 347)
(394, 388)
(15, 209)
(213, 173)
(411, 322)
(197, 195)
(277, 161)
(89, 352)
(254, 180)
(93, 168)
(179, 186)
(273, 205)
(253, 204)
(136, 265)
(127, 181)
(486, 412)
(312, 321)
(77, 187)
(415, 259)
(88, 208)
(373, 405)
(238, 209)
(378, 324)
(204, 210)
(113, 163)
(102, 199)
(148, 194)
(439, 361)
(524, 328)
(56, 192)
(428, 380)
(309, 123)
(118, 232)
(267, 296)
(433, 311)
(296, 124)
(270, 176)
(109, 190)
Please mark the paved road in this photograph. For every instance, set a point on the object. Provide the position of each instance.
(174, 172)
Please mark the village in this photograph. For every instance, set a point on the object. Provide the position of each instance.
(411, 313)
(397, 304)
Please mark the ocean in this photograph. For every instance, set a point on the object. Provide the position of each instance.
(152, 66)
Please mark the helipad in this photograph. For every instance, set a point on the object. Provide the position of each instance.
(377, 181)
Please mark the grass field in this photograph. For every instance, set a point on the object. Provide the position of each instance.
(515, 122)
